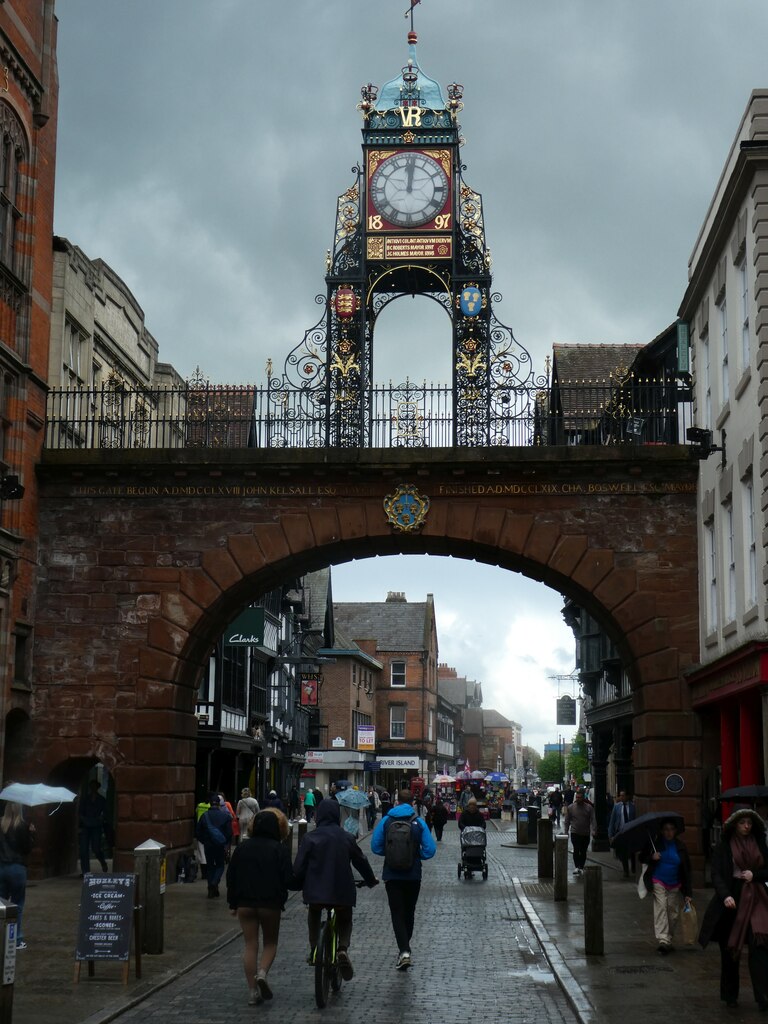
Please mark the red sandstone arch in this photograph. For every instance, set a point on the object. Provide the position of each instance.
(150, 585)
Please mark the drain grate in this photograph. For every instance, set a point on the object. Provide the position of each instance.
(539, 889)
(642, 969)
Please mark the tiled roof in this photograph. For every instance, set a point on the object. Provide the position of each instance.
(592, 363)
(317, 587)
(453, 690)
(394, 625)
(472, 722)
(495, 720)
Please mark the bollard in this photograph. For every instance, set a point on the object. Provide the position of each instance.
(150, 862)
(522, 827)
(545, 847)
(561, 868)
(593, 910)
(301, 832)
(9, 923)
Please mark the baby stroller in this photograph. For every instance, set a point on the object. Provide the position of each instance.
(473, 842)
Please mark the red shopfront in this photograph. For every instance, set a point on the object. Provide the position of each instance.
(731, 698)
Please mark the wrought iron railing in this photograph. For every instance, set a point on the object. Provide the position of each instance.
(409, 415)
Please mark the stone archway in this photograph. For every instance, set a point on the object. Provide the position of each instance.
(145, 556)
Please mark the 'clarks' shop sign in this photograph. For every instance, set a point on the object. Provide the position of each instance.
(247, 630)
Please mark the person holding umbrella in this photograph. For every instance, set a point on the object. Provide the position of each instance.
(667, 877)
(738, 912)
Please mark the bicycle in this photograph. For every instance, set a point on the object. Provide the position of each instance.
(326, 957)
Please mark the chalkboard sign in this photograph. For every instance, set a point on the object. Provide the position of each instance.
(106, 917)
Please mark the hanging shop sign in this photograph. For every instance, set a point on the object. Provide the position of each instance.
(247, 630)
(310, 688)
(566, 710)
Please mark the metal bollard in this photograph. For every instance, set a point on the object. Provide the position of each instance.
(150, 866)
(561, 868)
(288, 841)
(593, 910)
(545, 848)
(8, 921)
(302, 831)
(522, 827)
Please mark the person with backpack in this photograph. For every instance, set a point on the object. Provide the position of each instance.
(404, 840)
(214, 830)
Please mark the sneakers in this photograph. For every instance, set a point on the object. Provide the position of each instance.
(577, 872)
(21, 944)
(403, 962)
(345, 965)
(263, 986)
(255, 998)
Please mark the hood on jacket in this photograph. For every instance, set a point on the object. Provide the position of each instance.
(758, 825)
(266, 824)
(402, 811)
(328, 813)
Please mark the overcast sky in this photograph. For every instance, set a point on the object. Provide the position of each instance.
(203, 143)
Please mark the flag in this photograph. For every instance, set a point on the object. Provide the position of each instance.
(410, 9)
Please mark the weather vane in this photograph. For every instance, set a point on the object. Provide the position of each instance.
(409, 12)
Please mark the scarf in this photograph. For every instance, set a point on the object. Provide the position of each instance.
(752, 911)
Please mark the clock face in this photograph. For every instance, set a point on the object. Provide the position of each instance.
(409, 189)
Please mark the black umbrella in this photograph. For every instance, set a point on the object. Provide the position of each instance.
(746, 793)
(638, 833)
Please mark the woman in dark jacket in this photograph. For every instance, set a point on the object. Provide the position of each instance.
(16, 837)
(471, 816)
(258, 879)
(667, 879)
(323, 868)
(738, 912)
(439, 819)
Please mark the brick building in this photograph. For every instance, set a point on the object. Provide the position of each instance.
(403, 637)
(28, 117)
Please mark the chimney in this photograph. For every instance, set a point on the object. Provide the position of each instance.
(396, 596)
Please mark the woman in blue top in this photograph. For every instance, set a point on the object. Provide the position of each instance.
(668, 878)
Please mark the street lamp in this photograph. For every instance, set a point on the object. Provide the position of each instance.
(560, 744)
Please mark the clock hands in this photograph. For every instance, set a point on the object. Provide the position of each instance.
(411, 168)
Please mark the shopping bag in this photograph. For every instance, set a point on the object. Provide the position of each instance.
(642, 892)
(690, 924)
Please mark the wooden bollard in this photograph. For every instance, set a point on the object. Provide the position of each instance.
(545, 847)
(561, 868)
(593, 910)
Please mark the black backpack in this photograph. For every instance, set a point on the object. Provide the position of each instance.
(401, 844)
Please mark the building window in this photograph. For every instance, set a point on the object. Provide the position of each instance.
(397, 673)
(711, 576)
(75, 357)
(707, 403)
(397, 722)
(750, 576)
(730, 563)
(11, 158)
(724, 351)
(21, 656)
(431, 726)
(744, 282)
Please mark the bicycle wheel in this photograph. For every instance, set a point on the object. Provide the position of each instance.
(324, 964)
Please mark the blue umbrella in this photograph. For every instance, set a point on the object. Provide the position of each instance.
(352, 798)
(497, 777)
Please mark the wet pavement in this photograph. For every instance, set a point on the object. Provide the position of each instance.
(500, 950)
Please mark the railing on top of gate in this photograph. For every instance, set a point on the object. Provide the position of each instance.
(632, 410)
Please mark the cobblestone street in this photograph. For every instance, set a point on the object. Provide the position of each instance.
(475, 957)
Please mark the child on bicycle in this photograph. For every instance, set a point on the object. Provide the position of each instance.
(323, 868)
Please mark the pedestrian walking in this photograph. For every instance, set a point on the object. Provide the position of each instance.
(471, 816)
(246, 810)
(439, 818)
(16, 838)
(386, 803)
(273, 800)
(91, 820)
(579, 821)
(623, 812)
(556, 807)
(309, 804)
(668, 879)
(258, 879)
(404, 841)
(214, 830)
(738, 912)
(203, 806)
(293, 803)
(374, 803)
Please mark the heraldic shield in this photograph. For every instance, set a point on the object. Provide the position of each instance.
(406, 509)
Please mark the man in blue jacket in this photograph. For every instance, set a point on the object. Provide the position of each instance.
(403, 883)
(214, 830)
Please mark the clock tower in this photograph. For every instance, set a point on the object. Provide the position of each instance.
(408, 225)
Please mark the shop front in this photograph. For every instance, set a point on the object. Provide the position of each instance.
(324, 767)
(395, 771)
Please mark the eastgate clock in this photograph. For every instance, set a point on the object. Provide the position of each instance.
(409, 189)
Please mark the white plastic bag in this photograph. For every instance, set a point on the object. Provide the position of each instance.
(642, 892)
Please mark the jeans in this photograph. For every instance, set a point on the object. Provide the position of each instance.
(403, 897)
(580, 846)
(90, 840)
(214, 857)
(13, 887)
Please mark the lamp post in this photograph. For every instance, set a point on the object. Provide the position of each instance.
(560, 744)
